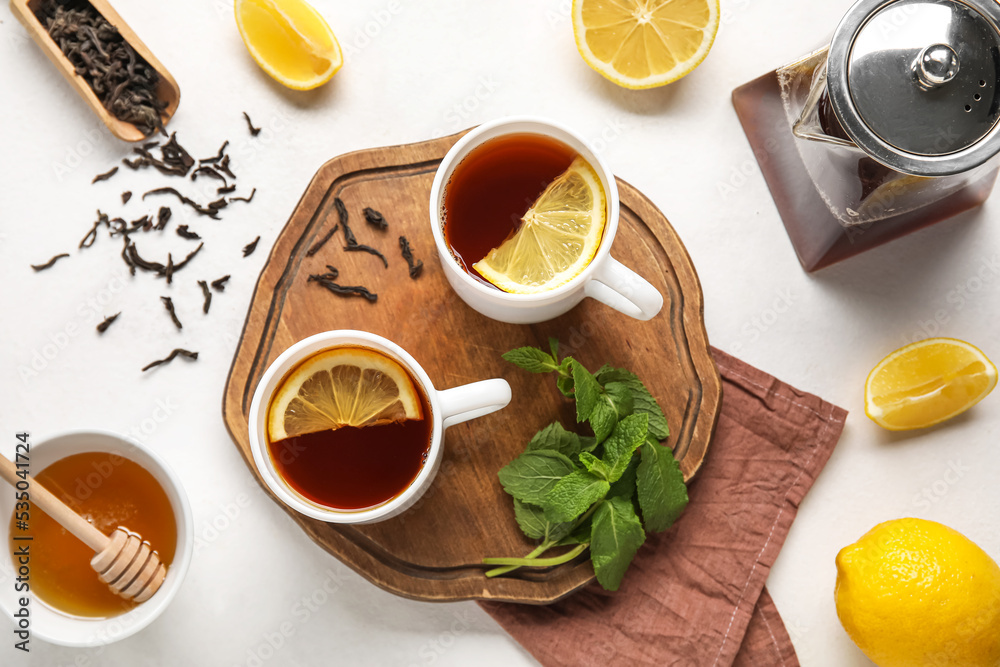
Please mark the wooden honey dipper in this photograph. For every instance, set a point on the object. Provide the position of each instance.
(123, 561)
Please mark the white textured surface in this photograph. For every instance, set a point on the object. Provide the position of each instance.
(432, 69)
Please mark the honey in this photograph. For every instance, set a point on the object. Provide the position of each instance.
(109, 491)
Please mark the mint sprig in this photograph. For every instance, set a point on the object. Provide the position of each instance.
(585, 490)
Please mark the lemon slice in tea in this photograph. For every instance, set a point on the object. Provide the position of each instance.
(346, 386)
(558, 236)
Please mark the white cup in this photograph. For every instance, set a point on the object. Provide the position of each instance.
(605, 278)
(448, 407)
(59, 628)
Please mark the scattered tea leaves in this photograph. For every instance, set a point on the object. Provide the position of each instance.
(187, 354)
(207, 294)
(103, 326)
(220, 283)
(375, 219)
(250, 247)
(168, 303)
(105, 176)
(415, 268)
(49, 264)
(254, 131)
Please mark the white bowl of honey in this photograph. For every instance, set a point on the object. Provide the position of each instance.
(112, 481)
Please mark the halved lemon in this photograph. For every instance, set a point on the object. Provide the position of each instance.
(644, 43)
(558, 236)
(927, 382)
(290, 41)
(346, 386)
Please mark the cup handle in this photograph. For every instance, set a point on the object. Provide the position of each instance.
(469, 401)
(623, 289)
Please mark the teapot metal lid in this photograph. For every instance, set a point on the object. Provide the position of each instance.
(916, 83)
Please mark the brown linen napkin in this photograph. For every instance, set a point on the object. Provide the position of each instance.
(695, 595)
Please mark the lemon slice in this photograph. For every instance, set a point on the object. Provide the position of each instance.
(290, 41)
(347, 386)
(925, 383)
(644, 43)
(558, 236)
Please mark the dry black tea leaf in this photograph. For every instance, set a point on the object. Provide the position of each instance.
(183, 232)
(105, 176)
(218, 156)
(210, 212)
(223, 166)
(168, 270)
(49, 264)
(88, 240)
(246, 199)
(210, 172)
(254, 131)
(327, 280)
(103, 326)
(178, 267)
(168, 303)
(126, 195)
(250, 247)
(415, 268)
(342, 214)
(208, 296)
(361, 247)
(162, 218)
(187, 354)
(375, 219)
(226, 190)
(322, 242)
(219, 284)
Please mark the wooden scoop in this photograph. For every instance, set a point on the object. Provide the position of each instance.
(167, 89)
(123, 561)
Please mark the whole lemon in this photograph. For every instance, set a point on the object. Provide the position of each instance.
(912, 592)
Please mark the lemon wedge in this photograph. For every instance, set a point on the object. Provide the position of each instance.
(558, 236)
(644, 43)
(290, 41)
(927, 382)
(348, 386)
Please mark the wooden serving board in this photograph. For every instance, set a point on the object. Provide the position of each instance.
(433, 551)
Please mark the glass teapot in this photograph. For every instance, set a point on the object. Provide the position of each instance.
(892, 127)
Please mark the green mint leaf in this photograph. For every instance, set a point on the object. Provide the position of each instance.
(662, 493)
(625, 486)
(588, 443)
(532, 360)
(565, 381)
(587, 391)
(531, 476)
(554, 346)
(621, 395)
(622, 443)
(554, 437)
(616, 536)
(579, 535)
(594, 465)
(642, 400)
(573, 495)
(603, 418)
(533, 523)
